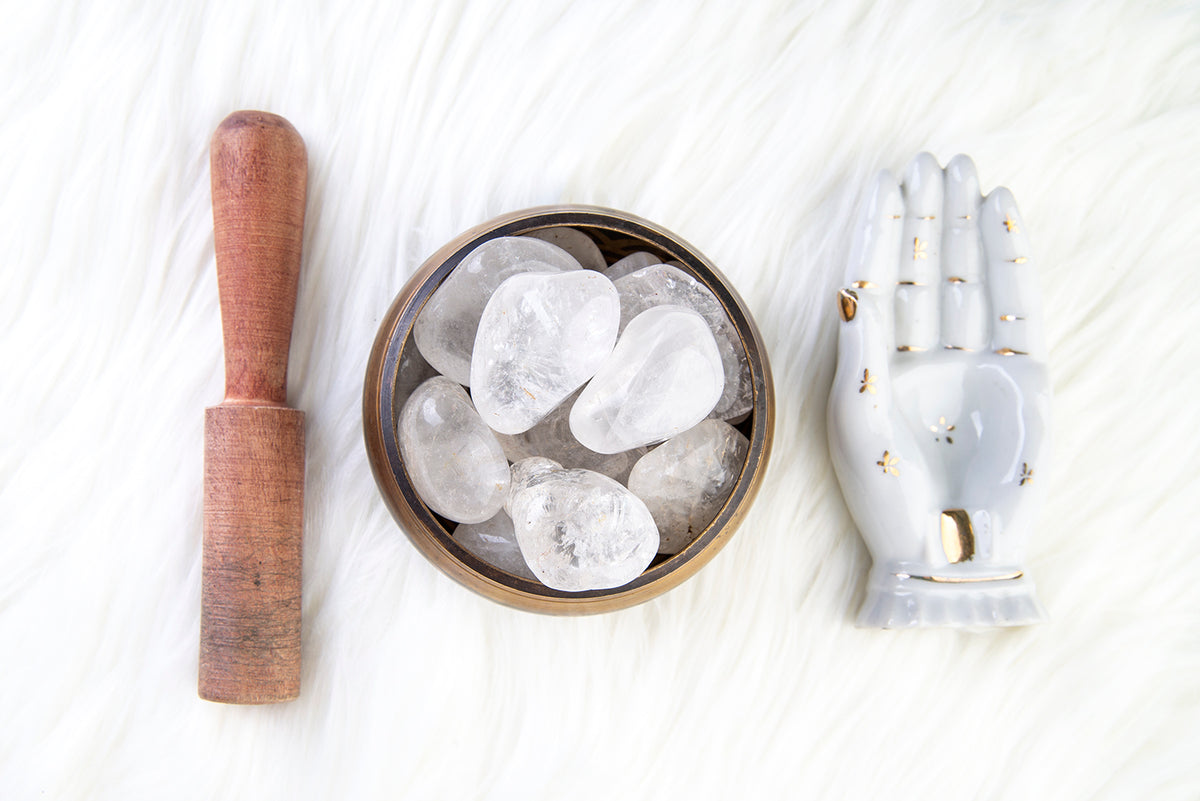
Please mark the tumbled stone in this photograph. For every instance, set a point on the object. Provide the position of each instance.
(445, 329)
(540, 338)
(553, 439)
(579, 530)
(631, 263)
(661, 284)
(494, 542)
(685, 481)
(452, 458)
(663, 377)
(576, 242)
(412, 371)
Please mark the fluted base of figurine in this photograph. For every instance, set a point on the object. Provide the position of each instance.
(900, 600)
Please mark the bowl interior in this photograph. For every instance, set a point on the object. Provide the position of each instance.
(391, 376)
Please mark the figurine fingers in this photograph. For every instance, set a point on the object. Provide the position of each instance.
(874, 251)
(921, 243)
(1011, 279)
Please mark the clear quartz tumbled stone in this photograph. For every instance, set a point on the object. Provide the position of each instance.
(664, 376)
(445, 329)
(685, 481)
(494, 542)
(576, 242)
(540, 338)
(553, 439)
(452, 458)
(579, 530)
(660, 284)
(631, 263)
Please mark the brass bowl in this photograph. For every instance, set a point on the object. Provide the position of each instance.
(617, 234)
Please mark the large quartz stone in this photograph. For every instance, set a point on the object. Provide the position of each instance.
(685, 481)
(445, 328)
(661, 284)
(577, 243)
(452, 458)
(553, 439)
(630, 264)
(663, 377)
(494, 542)
(580, 530)
(540, 338)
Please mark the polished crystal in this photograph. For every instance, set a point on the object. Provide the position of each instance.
(576, 242)
(631, 263)
(685, 481)
(452, 458)
(494, 542)
(579, 530)
(445, 329)
(661, 284)
(663, 377)
(541, 336)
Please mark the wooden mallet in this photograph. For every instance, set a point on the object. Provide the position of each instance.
(253, 443)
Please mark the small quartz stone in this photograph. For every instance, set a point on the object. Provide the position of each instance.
(631, 263)
(575, 242)
(553, 439)
(494, 542)
(445, 328)
(540, 338)
(579, 530)
(412, 371)
(661, 284)
(453, 459)
(685, 481)
(663, 377)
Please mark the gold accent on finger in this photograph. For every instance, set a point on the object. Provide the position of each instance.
(909, 283)
(954, 279)
(919, 249)
(965, 217)
(1016, 574)
(1011, 352)
(847, 304)
(910, 349)
(863, 285)
(1010, 224)
(868, 383)
(959, 347)
(895, 216)
(1026, 474)
(1018, 260)
(1008, 318)
(958, 536)
(888, 463)
(930, 217)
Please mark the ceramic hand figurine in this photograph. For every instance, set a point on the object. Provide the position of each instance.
(939, 412)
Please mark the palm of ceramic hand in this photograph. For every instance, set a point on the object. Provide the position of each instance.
(939, 407)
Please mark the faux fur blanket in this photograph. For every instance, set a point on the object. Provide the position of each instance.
(749, 130)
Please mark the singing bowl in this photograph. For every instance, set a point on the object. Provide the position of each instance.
(617, 234)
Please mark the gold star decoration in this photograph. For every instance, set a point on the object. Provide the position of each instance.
(868, 383)
(1026, 474)
(940, 428)
(888, 463)
(919, 249)
(1010, 224)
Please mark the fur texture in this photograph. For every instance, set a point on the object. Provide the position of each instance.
(750, 131)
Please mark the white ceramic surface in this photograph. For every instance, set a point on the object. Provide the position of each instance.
(939, 411)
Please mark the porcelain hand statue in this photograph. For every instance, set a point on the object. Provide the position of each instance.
(939, 412)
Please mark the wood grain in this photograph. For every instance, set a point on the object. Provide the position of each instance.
(250, 619)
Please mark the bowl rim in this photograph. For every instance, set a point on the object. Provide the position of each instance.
(415, 518)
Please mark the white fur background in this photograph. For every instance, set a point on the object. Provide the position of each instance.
(749, 129)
